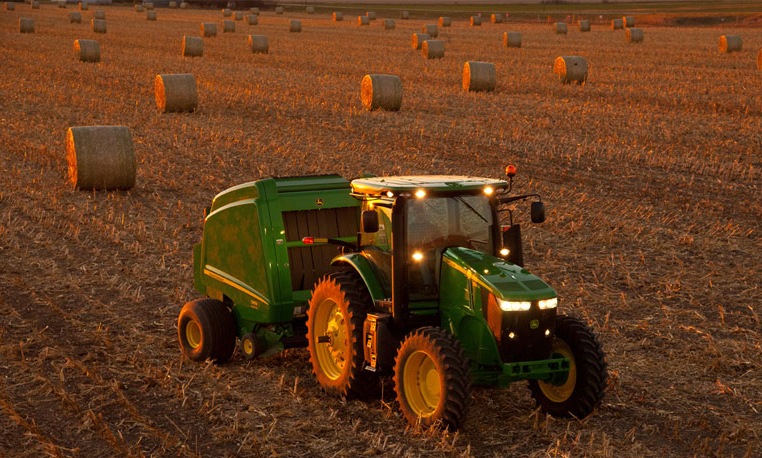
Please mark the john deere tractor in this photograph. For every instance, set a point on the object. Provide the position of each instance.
(409, 276)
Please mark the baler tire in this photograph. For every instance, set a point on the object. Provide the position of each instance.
(590, 373)
(348, 291)
(214, 324)
(453, 368)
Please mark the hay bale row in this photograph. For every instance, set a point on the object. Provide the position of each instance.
(75, 17)
(476, 21)
(295, 26)
(226, 12)
(87, 50)
(254, 11)
(176, 93)
(388, 24)
(82, 6)
(98, 25)
(338, 16)
(381, 91)
(404, 15)
(479, 76)
(62, 4)
(634, 35)
(431, 30)
(512, 39)
(584, 25)
(371, 15)
(617, 24)
(208, 29)
(279, 10)
(258, 44)
(184, 5)
(310, 10)
(151, 15)
(730, 43)
(148, 5)
(99, 14)
(561, 28)
(100, 157)
(571, 69)
(628, 21)
(419, 38)
(26, 25)
(139, 8)
(173, 5)
(228, 26)
(239, 15)
(252, 19)
(433, 49)
(497, 18)
(759, 59)
(10, 6)
(193, 46)
(35, 5)
(363, 20)
(444, 21)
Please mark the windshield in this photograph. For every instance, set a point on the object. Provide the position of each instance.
(434, 224)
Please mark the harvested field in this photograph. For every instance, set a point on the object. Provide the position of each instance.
(651, 174)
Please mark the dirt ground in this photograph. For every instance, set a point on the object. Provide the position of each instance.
(650, 173)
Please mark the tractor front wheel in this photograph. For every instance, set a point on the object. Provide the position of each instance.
(335, 318)
(432, 378)
(583, 388)
(206, 330)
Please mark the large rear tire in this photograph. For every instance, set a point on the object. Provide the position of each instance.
(335, 318)
(432, 378)
(206, 330)
(583, 389)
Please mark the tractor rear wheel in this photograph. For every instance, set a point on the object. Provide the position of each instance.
(206, 330)
(584, 387)
(335, 318)
(432, 378)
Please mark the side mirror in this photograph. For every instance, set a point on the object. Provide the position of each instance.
(538, 212)
(369, 221)
(512, 244)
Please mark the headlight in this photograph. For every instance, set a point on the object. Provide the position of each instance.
(515, 306)
(548, 303)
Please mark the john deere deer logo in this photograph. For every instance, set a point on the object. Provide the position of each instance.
(319, 201)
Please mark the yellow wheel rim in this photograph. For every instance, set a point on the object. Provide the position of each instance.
(330, 322)
(248, 346)
(422, 384)
(560, 393)
(193, 334)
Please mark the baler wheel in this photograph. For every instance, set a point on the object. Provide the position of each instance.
(206, 330)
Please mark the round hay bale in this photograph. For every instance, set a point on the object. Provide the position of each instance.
(75, 16)
(444, 21)
(100, 157)
(617, 24)
(10, 6)
(479, 76)
(404, 15)
(208, 29)
(731, 43)
(628, 21)
(388, 24)
(310, 10)
(62, 4)
(99, 14)
(371, 15)
(512, 39)
(419, 38)
(476, 21)
(173, 5)
(228, 26)
(363, 20)
(759, 59)
(184, 5)
(26, 25)
(431, 30)
(87, 50)
(584, 25)
(279, 10)
(151, 15)
(252, 19)
(176, 93)
(193, 46)
(139, 8)
(148, 5)
(381, 91)
(35, 5)
(258, 44)
(433, 49)
(82, 6)
(496, 18)
(634, 35)
(98, 25)
(226, 12)
(571, 69)
(338, 16)
(254, 11)
(561, 28)
(295, 27)
(239, 15)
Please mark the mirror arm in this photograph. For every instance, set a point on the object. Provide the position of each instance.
(505, 200)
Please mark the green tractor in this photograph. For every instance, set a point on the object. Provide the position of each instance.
(410, 276)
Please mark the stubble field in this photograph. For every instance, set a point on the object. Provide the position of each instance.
(650, 172)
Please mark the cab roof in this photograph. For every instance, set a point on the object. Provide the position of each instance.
(377, 185)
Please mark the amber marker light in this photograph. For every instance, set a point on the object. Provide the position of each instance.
(417, 256)
(510, 171)
(420, 194)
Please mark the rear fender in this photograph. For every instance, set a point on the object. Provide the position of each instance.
(361, 265)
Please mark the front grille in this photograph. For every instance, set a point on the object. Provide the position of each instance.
(527, 344)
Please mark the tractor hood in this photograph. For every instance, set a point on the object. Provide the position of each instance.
(507, 281)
